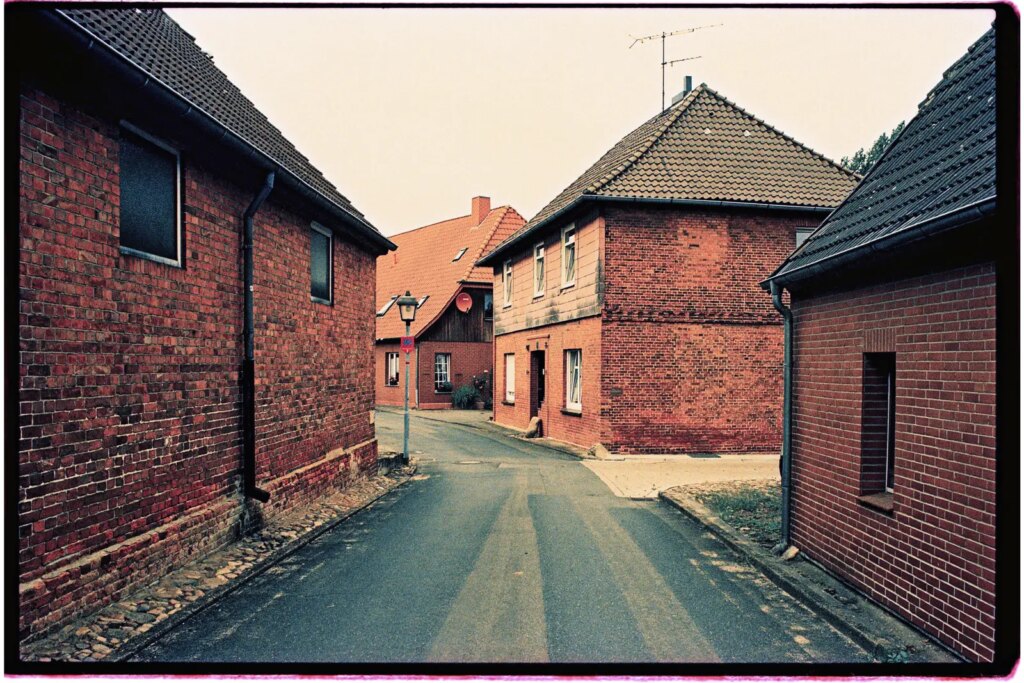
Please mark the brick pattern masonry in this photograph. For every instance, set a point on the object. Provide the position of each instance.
(130, 432)
(932, 558)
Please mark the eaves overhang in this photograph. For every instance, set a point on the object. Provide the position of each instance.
(358, 229)
(905, 235)
(502, 249)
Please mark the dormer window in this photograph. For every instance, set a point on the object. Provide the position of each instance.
(460, 254)
(387, 307)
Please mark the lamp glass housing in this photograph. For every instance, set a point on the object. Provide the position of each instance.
(406, 307)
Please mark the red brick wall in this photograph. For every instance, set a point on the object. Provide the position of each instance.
(585, 334)
(129, 451)
(692, 345)
(392, 396)
(468, 359)
(932, 559)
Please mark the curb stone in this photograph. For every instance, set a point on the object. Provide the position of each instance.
(891, 635)
(226, 578)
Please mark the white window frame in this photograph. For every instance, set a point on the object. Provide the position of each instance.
(460, 254)
(422, 301)
(539, 274)
(447, 372)
(316, 227)
(569, 233)
(178, 223)
(389, 358)
(577, 404)
(506, 283)
(510, 378)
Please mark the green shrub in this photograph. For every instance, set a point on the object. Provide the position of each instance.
(465, 397)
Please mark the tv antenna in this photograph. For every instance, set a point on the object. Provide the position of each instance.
(663, 35)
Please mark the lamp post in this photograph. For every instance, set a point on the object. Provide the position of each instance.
(407, 312)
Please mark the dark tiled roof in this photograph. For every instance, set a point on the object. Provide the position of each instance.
(705, 147)
(943, 161)
(153, 42)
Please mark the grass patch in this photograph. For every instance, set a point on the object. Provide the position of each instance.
(752, 509)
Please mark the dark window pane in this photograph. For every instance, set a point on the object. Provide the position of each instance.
(320, 266)
(149, 196)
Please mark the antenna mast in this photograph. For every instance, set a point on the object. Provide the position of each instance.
(663, 35)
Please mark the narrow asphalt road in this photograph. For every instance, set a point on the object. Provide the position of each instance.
(504, 551)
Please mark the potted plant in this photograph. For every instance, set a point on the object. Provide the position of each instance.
(465, 397)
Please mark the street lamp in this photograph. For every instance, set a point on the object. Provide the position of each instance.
(407, 312)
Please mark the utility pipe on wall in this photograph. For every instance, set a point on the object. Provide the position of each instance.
(787, 409)
(249, 358)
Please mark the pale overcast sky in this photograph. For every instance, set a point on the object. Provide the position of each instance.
(411, 112)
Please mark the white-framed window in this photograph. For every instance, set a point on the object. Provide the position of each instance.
(573, 379)
(510, 378)
(320, 255)
(538, 269)
(422, 301)
(461, 253)
(442, 373)
(569, 256)
(391, 369)
(150, 192)
(802, 234)
(506, 282)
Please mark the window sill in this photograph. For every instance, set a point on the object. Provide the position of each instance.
(538, 296)
(878, 501)
(568, 285)
(508, 403)
(128, 251)
(572, 411)
(318, 300)
(506, 306)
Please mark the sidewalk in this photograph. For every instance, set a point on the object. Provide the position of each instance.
(644, 477)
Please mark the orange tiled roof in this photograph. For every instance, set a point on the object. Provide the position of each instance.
(423, 264)
(704, 147)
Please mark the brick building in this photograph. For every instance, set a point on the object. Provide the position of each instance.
(893, 403)
(453, 329)
(156, 422)
(628, 312)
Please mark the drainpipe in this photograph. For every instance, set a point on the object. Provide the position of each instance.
(249, 359)
(785, 465)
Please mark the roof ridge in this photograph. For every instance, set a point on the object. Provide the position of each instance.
(679, 107)
(449, 220)
(780, 133)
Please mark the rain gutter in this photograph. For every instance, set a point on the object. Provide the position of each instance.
(697, 203)
(785, 458)
(249, 359)
(947, 221)
(164, 97)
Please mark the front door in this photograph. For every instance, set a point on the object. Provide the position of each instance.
(537, 382)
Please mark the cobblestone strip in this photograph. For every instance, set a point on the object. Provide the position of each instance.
(118, 631)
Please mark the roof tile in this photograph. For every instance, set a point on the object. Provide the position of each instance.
(943, 160)
(705, 147)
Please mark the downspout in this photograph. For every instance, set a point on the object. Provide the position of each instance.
(249, 359)
(785, 464)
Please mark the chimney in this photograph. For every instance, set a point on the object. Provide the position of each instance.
(685, 91)
(481, 207)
